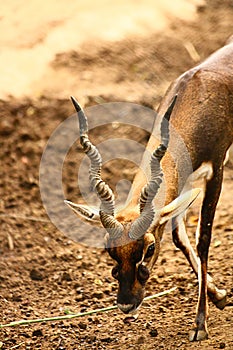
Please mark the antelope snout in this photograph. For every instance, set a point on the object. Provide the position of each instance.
(127, 308)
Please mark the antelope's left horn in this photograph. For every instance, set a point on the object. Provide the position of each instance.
(141, 225)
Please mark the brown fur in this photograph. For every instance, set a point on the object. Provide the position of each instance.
(203, 118)
(201, 131)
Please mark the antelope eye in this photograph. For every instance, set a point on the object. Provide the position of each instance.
(150, 251)
(143, 273)
(115, 272)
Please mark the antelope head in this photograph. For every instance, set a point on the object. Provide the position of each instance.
(132, 238)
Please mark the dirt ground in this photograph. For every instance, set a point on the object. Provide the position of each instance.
(43, 272)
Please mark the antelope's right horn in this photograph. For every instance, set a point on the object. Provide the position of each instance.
(112, 225)
(104, 192)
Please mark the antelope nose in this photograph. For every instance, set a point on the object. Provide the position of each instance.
(126, 307)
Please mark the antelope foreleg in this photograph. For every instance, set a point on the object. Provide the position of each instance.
(181, 240)
(213, 189)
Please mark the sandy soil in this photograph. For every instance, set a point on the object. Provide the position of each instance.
(35, 34)
(43, 273)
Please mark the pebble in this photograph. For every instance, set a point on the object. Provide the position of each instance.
(153, 332)
(141, 340)
(35, 275)
(6, 127)
(98, 295)
(17, 298)
(106, 340)
(37, 333)
(66, 277)
(82, 325)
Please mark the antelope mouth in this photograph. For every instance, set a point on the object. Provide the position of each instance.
(131, 309)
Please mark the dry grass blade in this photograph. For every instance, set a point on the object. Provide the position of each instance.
(68, 317)
(192, 51)
(10, 241)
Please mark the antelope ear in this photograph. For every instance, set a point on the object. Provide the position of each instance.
(85, 213)
(179, 205)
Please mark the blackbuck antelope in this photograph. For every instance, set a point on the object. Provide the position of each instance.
(200, 107)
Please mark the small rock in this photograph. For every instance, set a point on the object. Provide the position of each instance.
(6, 128)
(217, 243)
(107, 291)
(161, 272)
(92, 338)
(66, 277)
(80, 297)
(82, 325)
(98, 282)
(37, 333)
(148, 325)
(17, 298)
(106, 340)
(141, 340)
(35, 275)
(98, 295)
(24, 334)
(153, 332)
(222, 346)
(162, 309)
